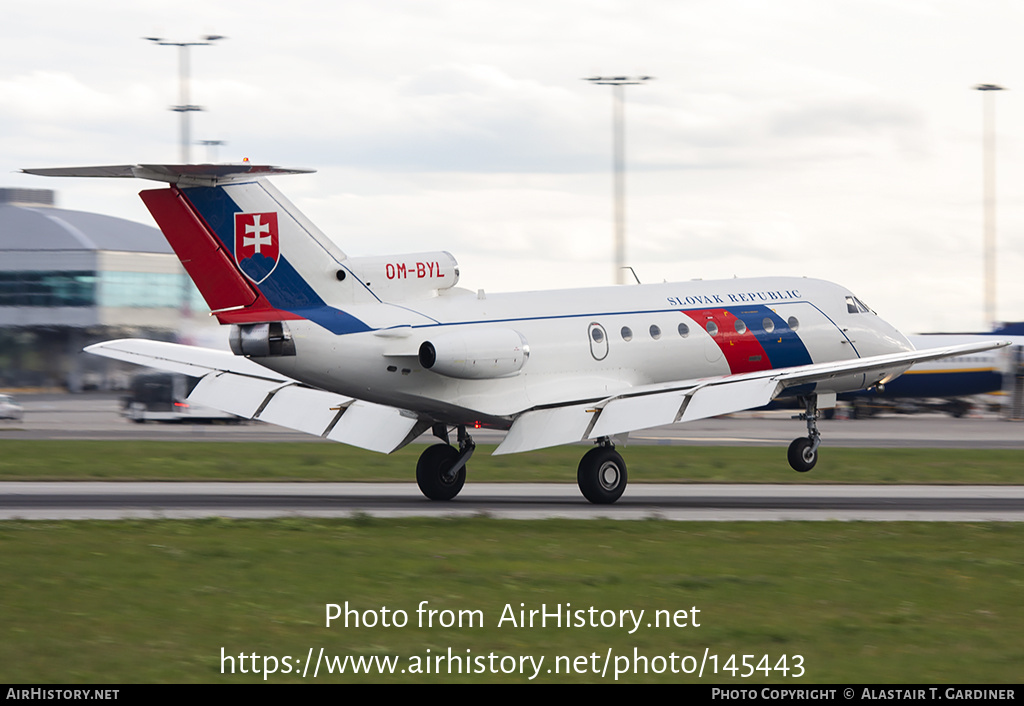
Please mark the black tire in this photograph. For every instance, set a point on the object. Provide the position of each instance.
(602, 475)
(801, 458)
(432, 469)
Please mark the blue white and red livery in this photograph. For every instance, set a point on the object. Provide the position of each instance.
(375, 351)
(256, 244)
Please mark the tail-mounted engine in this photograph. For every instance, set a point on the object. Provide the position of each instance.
(261, 340)
(401, 277)
(476, 354)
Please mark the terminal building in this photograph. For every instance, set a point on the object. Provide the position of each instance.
(72, 278)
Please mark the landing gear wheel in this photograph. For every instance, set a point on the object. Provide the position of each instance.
(602, 475)
(802, 454)
(433, 472)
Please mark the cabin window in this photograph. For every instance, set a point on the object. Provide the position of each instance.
(740, 327)
(655, 332)
(627, 333)
(768, 324)
(794, 323)
(711, 328)
(684, 330)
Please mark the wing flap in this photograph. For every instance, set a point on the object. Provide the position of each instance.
(303, 409)
(540, 428)
(728, 397)
(376, 427)
(237, 394)
(640, 412)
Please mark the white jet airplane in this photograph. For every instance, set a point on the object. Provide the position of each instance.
(375, 351)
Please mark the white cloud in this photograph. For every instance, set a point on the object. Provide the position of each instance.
(833, 139)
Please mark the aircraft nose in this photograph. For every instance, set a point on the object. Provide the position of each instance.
(889, 339)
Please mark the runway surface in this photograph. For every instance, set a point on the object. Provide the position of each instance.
(524, 501)
(97, 417)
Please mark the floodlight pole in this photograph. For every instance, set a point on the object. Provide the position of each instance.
(211, 148)
(619, 161)
(989, 198)
(184, 105)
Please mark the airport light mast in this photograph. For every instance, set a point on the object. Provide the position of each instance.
(989, 199)
(619, 161)
(184, 106)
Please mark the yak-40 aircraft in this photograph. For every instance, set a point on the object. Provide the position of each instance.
(375, 351)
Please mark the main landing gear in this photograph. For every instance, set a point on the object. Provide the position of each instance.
(602, 474)
(441, 470)
(803, 452)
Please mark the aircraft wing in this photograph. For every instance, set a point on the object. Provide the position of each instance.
(689, 400)
(239, 386)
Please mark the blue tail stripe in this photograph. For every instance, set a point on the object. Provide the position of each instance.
(284, 289)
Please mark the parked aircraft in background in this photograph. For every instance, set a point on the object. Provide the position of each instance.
(375, 351)
(942, 384)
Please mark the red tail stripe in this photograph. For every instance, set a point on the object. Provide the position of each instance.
(204, 258)
(207, 262)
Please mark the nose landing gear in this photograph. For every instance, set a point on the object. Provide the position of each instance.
(803, 452)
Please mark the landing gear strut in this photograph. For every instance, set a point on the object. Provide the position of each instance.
(441, 470)
(803, 452)
(602, 474)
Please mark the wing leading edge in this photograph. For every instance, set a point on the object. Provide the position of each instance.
(241, 387)
(690, 400)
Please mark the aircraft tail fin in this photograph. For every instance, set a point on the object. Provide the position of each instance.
(253, 255)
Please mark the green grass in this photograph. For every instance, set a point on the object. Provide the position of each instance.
(156, 601)
(171, 460)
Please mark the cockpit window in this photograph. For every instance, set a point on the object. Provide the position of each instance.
(864, 307)
(856, 306)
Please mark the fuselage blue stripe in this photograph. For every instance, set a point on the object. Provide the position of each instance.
(782, 345)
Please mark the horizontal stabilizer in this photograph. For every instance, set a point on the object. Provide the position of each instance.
(182, 174)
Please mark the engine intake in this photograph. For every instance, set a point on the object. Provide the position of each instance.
(476, 354)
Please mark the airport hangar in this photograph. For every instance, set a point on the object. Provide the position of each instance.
(72, 278)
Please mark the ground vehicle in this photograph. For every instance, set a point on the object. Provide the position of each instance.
(162, 397)
(9, 408)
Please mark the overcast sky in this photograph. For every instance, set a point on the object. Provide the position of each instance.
(834, 139)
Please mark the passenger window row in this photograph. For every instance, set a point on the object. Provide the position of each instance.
(599, 337)
(597, 331)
